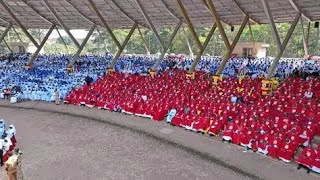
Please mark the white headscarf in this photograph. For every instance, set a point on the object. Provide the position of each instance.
(11, 131)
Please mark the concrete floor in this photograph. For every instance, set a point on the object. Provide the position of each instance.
(62, 147)
(65, 143)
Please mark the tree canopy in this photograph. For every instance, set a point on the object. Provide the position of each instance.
(102, 42)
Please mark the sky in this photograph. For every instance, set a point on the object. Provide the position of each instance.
(78, 34)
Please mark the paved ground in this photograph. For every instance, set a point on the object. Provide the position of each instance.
(61, 147)
(69, 146)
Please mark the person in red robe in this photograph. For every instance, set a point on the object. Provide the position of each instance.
(287, 150)
(216, 127)
(306, 158)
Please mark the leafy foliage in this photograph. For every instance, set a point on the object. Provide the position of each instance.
(101, 43)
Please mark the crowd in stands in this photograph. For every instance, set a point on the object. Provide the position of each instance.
(48, 74)
(234, 108)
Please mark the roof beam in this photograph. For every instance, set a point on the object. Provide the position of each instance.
(104, 43)
(5, 32)
(189, 23)
(219, 24)
(15, 31)
(233, 45)
(19, 23)
(144, 42)
(188, 42)
(168, 44)
(204, 46)
(127, 15)
(64, 43)
(244, 12)
(304, 39)
(283, 46)
(53, 12)
(151, 25)
(294, 5)
(35, 55)
(123, 45)
(5, 42)
(201, 46)
(95, 9)
(274, 30)
(83, 44)
(164, 46)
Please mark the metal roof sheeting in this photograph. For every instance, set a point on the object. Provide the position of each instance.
(78, 14)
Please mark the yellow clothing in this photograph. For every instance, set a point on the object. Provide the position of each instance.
(11, 167)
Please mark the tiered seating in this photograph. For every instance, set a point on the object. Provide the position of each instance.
(234, 109)
(148, 97)
(274, 125)
(48, 73)
(278, 125)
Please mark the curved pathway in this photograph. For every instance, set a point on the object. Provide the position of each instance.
(70, 142)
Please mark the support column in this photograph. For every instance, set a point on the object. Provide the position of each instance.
(201, 46)
(147, 18)
(5, 42)
(308, 34)
(189, 23)
(229, 47)
(104, 43)
(119, 46)
(15, 31)
(19, 23)
(173, 35)
(35, 55)
(115, 40)
(233, 45)
(283, 46)
(204, 46)
(5, 32)
(153, 28)
(305, 44)
(64, 43)
(188, 43)
(144, 42)
(53, 12)
(252, 39)
(274, 30)
(219, 24)
(120, 50)
(76, 56)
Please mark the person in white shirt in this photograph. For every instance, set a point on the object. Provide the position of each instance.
(308, 94)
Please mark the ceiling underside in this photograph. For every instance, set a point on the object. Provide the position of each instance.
(79, 14)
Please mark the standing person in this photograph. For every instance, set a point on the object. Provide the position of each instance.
(2, 127)
(10, 133)
(56, 97)
(1, 151)
(11, 166)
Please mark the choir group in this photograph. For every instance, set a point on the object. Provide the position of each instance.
(235, 109)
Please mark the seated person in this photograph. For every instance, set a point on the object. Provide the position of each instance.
(171, 114)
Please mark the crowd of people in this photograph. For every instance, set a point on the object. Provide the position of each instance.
(233, 108)
(9, 154)
(48, 76)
